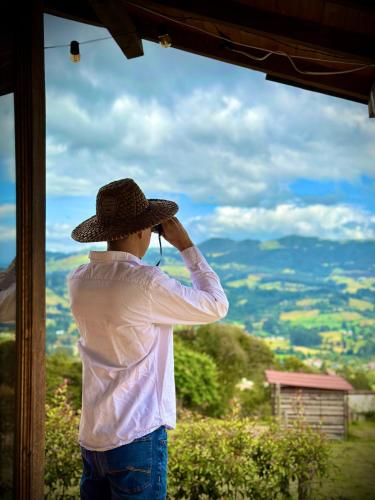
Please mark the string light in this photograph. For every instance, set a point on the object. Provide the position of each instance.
(165, 41)
(74, 51)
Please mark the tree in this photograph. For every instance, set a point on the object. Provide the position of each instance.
(293, 364)
(236, 353)
(197, 380)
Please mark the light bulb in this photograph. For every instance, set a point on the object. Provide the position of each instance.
(74, 51)
(165, 41)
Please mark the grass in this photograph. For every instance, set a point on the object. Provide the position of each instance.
(353, 285)
(250, 282)
(332, 321)
(354, 458)
(361, 305)
(298, 315)
(179, 272)
(270, 245)
(307, 302)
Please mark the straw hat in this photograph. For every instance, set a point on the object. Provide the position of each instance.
(122, 209)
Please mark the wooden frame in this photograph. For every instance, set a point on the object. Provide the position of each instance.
(29, 110)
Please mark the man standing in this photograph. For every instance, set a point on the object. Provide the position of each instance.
(125, 311)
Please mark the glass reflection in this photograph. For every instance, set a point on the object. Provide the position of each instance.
(7, 294)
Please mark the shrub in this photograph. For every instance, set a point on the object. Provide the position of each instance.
(208, 458)
(60, 367)
(236, 353)
(239, 459)
(197, 380)
(63, 466)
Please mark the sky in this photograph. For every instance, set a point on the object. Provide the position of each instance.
(243, 157)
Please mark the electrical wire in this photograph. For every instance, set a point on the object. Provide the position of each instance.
(225, 38)
(302, 72)
(268, 52)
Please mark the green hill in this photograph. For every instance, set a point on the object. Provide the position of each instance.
(309, 297)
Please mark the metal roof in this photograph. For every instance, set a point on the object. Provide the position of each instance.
(311, 380)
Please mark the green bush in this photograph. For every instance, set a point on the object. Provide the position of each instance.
(197, 380)
(63, 466)
(59, 367)
(209, 458)
(236, 353)
(239, 459)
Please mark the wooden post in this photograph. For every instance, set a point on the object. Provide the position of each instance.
(29, 107)
(277, 400)
(371, 102)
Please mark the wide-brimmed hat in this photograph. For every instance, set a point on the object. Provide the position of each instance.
(122, 209)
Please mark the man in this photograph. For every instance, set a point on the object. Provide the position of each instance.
(125, 311)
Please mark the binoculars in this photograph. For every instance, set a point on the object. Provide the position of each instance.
(157, 229)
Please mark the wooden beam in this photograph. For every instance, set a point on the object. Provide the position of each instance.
(356, 87)
(114, 16)
(77, 10)
(7, 78)
(301, 84)
(245, 17)
(29, 109)
(371, 102)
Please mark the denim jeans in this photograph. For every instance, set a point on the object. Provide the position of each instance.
(137, 470)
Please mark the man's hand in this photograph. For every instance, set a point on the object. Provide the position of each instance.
(175, 233)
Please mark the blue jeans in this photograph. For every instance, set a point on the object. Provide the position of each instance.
(137, 470)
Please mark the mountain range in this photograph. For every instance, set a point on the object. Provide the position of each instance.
(309, 297)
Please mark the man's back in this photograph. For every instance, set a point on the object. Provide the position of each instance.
(124, 310)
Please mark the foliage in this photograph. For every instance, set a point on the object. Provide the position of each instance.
(59, 367)
(197, 380)
(358, 378)
(293, 364)
(305, 336)
(239, 459)
(236, 353)
(208, 458)
(62, 456)
(256, 402)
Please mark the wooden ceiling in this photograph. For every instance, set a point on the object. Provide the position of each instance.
(312, 44)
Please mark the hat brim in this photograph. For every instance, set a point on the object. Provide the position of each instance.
(157, 212)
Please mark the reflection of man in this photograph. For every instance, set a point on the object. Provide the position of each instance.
(8, 294)
(124, 310)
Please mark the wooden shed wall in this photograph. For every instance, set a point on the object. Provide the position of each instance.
(326, 409)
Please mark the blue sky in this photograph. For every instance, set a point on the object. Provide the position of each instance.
(243, 157)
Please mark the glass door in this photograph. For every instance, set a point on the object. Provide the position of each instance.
(7, 294)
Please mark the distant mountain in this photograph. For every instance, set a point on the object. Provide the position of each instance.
(309, 297)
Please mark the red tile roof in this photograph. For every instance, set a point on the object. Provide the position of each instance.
(294, 379)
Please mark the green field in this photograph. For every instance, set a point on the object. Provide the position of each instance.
(354, 459)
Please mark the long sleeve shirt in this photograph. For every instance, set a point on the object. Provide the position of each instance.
(125, 311)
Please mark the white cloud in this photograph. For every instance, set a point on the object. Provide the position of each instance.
(219, 134)
(58, 230)
(208, 144)
(7, 209)
(325, 221)
(7, 153)
(7, 233)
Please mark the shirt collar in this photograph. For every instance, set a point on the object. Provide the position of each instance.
(113, 255)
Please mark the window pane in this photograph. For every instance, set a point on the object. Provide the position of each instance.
(7, 293)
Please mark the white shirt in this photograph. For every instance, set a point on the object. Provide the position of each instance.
(124, 310)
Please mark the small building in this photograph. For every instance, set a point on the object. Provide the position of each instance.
(321, 400)
(361, 404)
